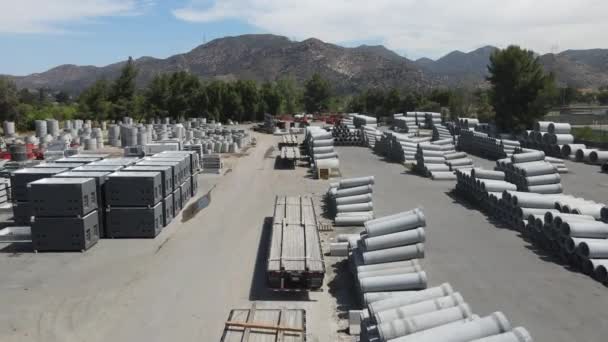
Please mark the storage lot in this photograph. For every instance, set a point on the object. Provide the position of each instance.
(182, 285)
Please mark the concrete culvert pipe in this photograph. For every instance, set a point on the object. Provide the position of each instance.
(600, 270)
(354, 182)
(327, 164)
(354, 199)
(460, 162)
(559, 128)
(359, 190)
(583, 154)
(542, 126)
(404, 238)
(402, 327)
(585, 229)
(525, 212)
(389, 271)
(528, 157)
(594, 249)
(496, 323)
(412, 297)
(330, 155)
(455, 155)
(516, 335)
(550, 217)
(496, 186)
(357, 207)
(546, 189)
(322, 143)
(352, 220)
(487, 174)
(530, 200)
(571, 244)
(604, 214)
(406, 281)
(443, 175)
(406, 221)
(394, 254)
(387, 265)
(537, 170)
(543, 179)
(322, 150)
(569, 149)
(594, 210)
(419, 308)
(597, 157)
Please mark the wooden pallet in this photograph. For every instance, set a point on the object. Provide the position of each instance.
(326, 227)
(265, 325)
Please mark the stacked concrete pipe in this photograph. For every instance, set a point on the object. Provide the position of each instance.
(315, 139)
(349, 201)
(549, 137)
(483, 145)
(530, 172)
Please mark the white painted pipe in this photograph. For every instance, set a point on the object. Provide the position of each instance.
(406, 281)
(354, 182)
(585, 229)
(493, 324)
(359, 190)
(394, 254)
(411, 297)
(518, 334)
(591, 209)
(354, 199)
(405, 221)
(404, 238)
(418, 308)
(410, 325)
(357, 207)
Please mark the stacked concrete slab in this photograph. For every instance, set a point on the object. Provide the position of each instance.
(349, 201)
(65, 222)
(20, 179)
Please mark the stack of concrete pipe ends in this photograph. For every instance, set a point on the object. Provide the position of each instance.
(320, 146)
(405, 124)
(481, 144)
(530, 172)
(439, 160)
(441, 132)
(432, 119)
(350, 201)
(549, 137)
(434, 314)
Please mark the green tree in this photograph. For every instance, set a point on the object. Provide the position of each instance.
(483, 107)
(409, 103)
(62, 97)
(122, 92)
(374, 101)
(231, 103)
(94, 102)
(521, 91)
(290, 94)
(317, 94)
(157, 96)
(27, 97)
(215, 92)
(271, 98)
(392, 102)
(250, 99)
(8, 99)
(602, 97)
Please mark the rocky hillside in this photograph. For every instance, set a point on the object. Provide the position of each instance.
(270, 57)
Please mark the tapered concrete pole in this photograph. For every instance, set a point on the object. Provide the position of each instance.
(356, 207)
(354, 199)
(411, 297)
(585, 229)
(406, 281)
(405, 222)
(402, 327)
(414, 309)
(493, 324)
(407, 237)
(387, 265)
(359, 190)
(394, 254)
(516, 335)
(389, 271)
(352, 220)
(352, 182)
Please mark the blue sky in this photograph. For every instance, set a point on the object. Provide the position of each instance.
(39, 34)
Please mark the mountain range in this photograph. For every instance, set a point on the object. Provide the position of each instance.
(266, 57)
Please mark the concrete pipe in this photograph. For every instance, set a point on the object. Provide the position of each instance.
(387, 265)
(583, 154)
(546, 189)
(543, 179)
(594, 249)
(354, 182)
(562, 139)
(493, 324)
(419, 308)
(571, 244)
(443, 175)
(399, 282)
(330, 155)
(525, 212)
(552, 217)
(347, 237)
(585, 229)
(559, 128)
(516, 335)
(437, 167)
(356, 213)
(352, 220)
(496, 186)
(354, 199)
(432, 160)
(338, 249)
(402, 327)
(530, 200)
(528, 157)
(455, 155)
(542, 126)
(404, 238)
(537, 170)
(570, 149)
(604, 211)
(597, 157)
(411, 297)
(460, 162)
(322, 143)
(431, 153)
(324, 149)
(600, 269)
(389, 271)
(358, 190)
(372, 297)
(394, 254)
(487, 174)
(594, 210)
(327, 164)
(357, 207)
(406, 221)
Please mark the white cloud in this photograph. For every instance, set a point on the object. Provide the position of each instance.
(49, 16)
(421, 27)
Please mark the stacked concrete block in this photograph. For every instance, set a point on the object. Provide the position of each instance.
(134, 204)
(212, 163)
(168, 186)
(349, 201)
(69, 222)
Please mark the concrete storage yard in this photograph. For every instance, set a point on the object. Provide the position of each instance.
(182, 285)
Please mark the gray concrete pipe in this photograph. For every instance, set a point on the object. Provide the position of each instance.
(559, 128)
(372, 297)
(496, 186)
(570, 149)
(546, 189)
(460, 162)
(436, 167)
(570, 244)
(407, 221)
(404, 238)
(356, 207)
(418, 308)
(431, 160)
(543, 179)
(402, 327)
(431, 153)
(352, 220)
(394, 254)
(412, 297)
(551, 216)
(522, 212)
(585, 229)
(518, 334)
(600, 269)
(389, 272)
(528, 157)
(493, 324)
(354, 199)
(333, 163)
(393, 216)
(542, 126)
(598, 157)
(442, 175)
(358, 190)
(487, 174)
(531, 200)
(387, 265)
(354, 182)
(537, 170)
(399, 282)
(583, 154)
(594, 210)
(329, 155)
(324, 149)
(594, 249)
(322, 143)
(455, 155)
(356, 213)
